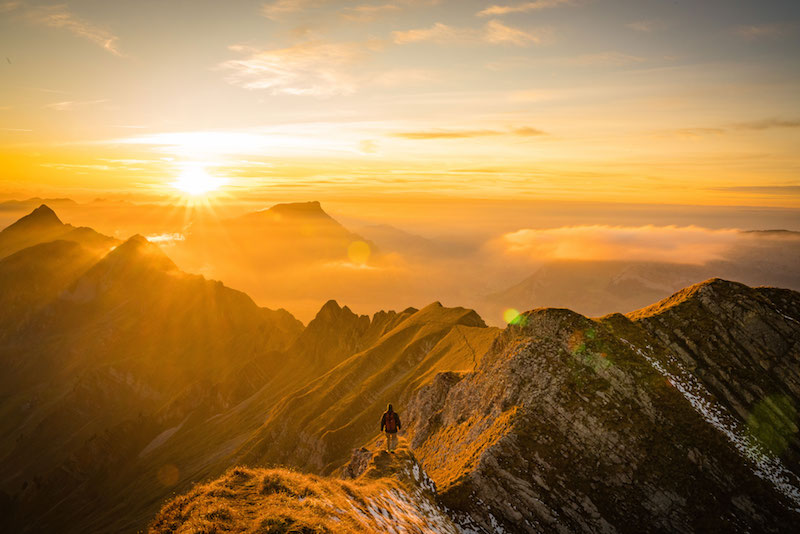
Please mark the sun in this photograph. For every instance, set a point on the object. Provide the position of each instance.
(195, 180)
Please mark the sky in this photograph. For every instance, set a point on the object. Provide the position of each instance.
(628, 101)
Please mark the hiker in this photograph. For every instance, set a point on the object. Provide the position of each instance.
(390, 421)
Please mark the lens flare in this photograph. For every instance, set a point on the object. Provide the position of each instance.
(511, 316)
(168, 475)
(359, 252)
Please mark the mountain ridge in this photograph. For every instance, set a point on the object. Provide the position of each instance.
(572, 424)
(678, 417)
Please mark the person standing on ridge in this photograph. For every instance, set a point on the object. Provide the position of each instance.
(390, 422)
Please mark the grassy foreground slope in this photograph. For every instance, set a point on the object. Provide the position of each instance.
(392, 495)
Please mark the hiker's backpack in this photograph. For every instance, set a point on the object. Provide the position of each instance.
(391, 422)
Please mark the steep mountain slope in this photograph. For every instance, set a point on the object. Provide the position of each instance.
(743, 345)
(576, 425)
(277, 238)
(290, 255)
(33, 277)
(562, 423)
(131, 348)
(317, 426)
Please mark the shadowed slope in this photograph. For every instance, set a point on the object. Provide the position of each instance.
(743, 344)
(34, 277)
(130, 349)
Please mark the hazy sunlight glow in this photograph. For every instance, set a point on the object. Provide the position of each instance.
(195, 180)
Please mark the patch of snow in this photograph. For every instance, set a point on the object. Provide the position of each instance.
(764, 465)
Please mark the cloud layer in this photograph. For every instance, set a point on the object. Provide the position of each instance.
(672, 244)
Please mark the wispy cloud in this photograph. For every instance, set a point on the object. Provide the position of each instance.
(68, 105)
(753, 126)
(446, 134)
(58, 16)
(763, 31)
(527, 131)
(696, 133)
(604, 58)
(367, 12)
(5, 7)
(496, 10)
(642, 26)
(790, 190)
(312, 68)
(499, 33)
(280, 8)
(437, 33)
(767, 124)
(494, 32)
(524, 131)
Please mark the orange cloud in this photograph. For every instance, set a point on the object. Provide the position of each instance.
(495, 32)
(312, 68)
(672, 244)
(522, 8)
(59, 17)
(523, 131)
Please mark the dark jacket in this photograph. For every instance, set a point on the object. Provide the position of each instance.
(388, 414)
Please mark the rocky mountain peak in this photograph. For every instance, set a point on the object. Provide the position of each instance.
(711, 289)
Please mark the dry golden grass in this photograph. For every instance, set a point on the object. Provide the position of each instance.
(281, 501)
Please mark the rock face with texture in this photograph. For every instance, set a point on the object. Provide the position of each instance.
(575, 425)
(743, 345)
(567, 424)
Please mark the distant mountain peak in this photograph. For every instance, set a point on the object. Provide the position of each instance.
(311, 209)
(332, 312)
(42, 216)
(137, 249)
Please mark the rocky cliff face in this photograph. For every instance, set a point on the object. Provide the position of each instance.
(575, 425)
(743, 345)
